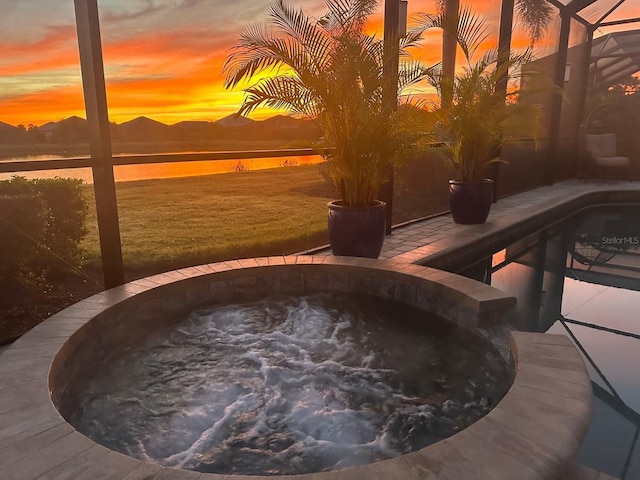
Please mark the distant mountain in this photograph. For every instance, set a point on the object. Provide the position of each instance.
(74, 121)
(70, 122)
(143, 129)
(5, 127)
(142, 123)
(234, 120)
(193, 124)
(69, 130)
(9, 133)
(284, 122)
(292, 128)
(48, 127)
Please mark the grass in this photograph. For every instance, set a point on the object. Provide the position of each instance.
(176, 222)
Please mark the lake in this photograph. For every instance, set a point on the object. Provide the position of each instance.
(127, 173)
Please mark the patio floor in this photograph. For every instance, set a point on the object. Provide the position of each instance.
(436, 240)
(425, 242)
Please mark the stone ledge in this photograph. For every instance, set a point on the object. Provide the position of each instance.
(495, 234)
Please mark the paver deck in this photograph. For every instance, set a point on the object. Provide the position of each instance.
(434, 237)
(34, 425)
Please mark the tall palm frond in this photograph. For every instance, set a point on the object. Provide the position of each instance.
(412, 39)
(280, 92)
(410, 73)
(470, 32)
(331, 71)
(478, 119)
(536, 16)
(349, 15)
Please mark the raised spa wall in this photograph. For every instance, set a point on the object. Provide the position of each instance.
(533, 432)
(156, 302)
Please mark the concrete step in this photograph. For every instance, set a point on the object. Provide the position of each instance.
(574, 471)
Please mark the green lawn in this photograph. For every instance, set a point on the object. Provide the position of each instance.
(175, 222)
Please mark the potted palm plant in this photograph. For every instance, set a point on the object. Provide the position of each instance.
(478, 119)
(331, 70)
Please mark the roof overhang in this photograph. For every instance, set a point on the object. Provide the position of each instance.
(614, 57)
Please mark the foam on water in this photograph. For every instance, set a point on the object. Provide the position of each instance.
(292, 385)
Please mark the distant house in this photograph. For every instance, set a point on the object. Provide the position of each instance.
(48, 130)
(8, 133)
(70, 130)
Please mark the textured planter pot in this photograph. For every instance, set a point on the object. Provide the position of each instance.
(470, 202)
(356, 231)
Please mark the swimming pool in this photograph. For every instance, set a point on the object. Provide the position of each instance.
(581, 278)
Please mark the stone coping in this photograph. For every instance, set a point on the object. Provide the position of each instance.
(532, 433)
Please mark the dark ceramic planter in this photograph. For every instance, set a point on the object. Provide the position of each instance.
(356, 231)
(470, 202)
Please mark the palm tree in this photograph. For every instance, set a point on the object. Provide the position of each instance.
(331, 71)
(479, 118)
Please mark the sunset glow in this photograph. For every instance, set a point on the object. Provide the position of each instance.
(163, 58)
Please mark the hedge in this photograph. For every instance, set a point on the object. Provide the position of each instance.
(42, 222)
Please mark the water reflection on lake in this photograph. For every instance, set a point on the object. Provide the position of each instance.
(126, 173)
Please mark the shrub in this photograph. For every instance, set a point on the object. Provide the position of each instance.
(23, 220)
(42, 223)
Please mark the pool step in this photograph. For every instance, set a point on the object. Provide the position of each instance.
(574, 471)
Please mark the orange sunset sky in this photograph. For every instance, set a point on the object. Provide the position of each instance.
(163, 58)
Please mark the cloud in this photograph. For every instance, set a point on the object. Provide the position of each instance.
(132, 11)
(191, 3)
(163, 58)
(175, 53)
(171, 98)
(55, 47)
(43, 106)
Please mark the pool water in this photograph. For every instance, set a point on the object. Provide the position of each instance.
(612, 358)
(290, 385)
(581, 278)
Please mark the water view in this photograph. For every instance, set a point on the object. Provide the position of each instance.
(126, 173)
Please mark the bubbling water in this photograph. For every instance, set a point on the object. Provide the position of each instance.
(292, 385)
